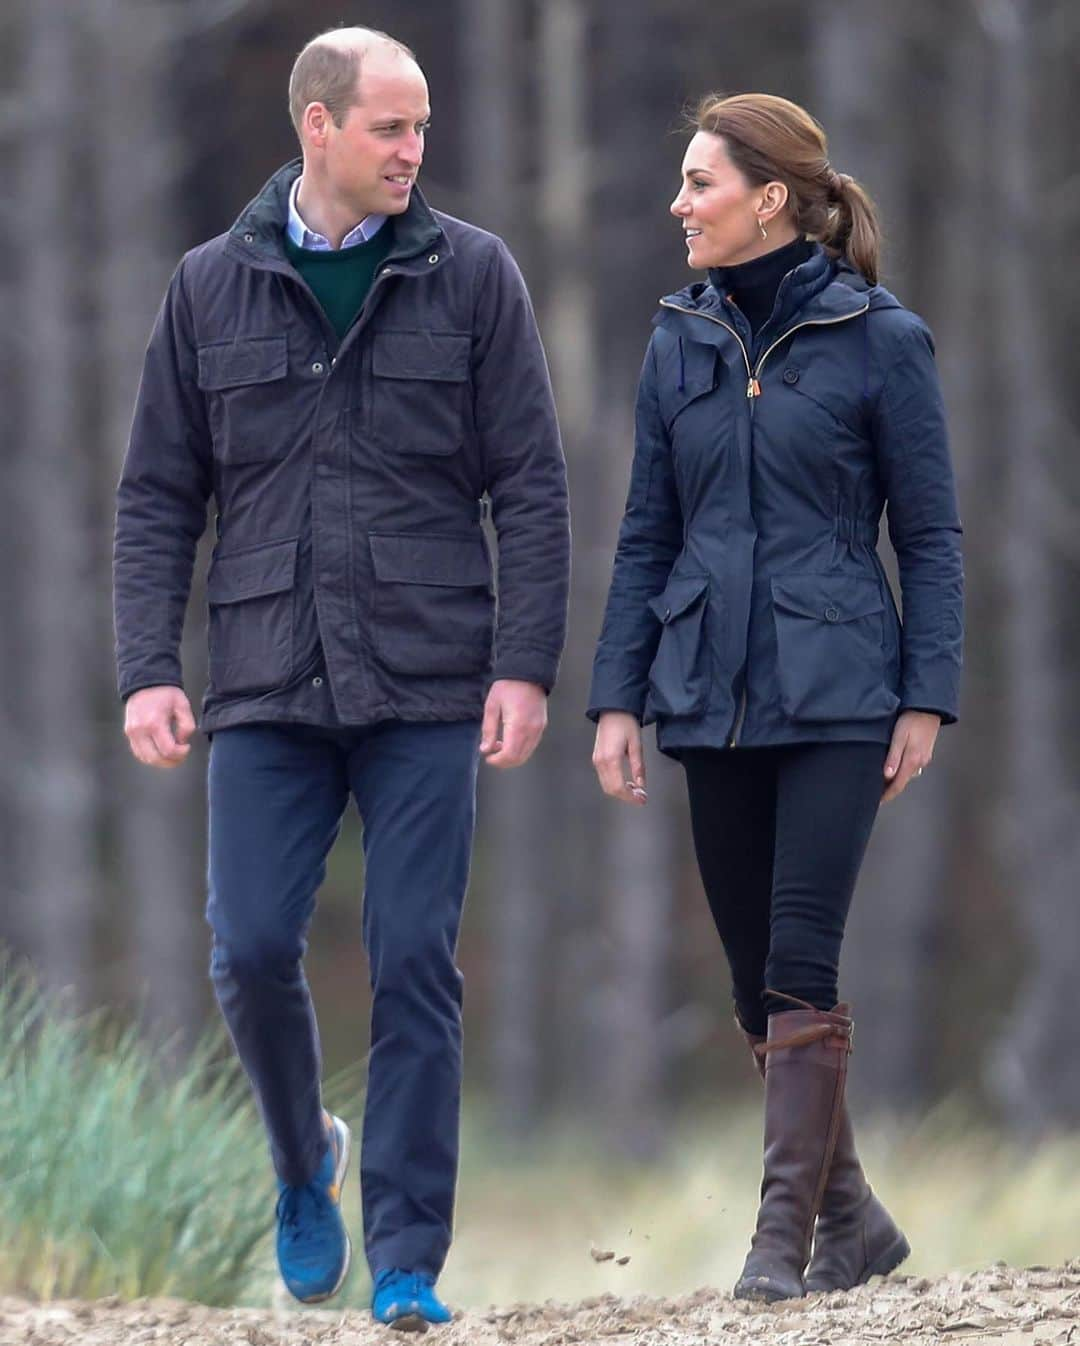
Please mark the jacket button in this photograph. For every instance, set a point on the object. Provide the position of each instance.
(249, 238)
(317, 367)
(316, 682)
(433, 258)
(667, 614)
(832, 615)
(791, 376)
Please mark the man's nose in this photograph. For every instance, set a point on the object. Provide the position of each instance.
(412, 150)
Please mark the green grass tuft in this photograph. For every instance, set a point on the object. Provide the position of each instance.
(116, 1176)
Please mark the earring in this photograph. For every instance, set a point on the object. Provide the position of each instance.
(761, 226)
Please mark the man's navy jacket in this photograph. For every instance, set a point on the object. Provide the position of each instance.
(351, 581)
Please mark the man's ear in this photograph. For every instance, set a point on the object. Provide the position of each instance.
(316, 123)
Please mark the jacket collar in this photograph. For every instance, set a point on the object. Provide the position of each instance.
(811, 292)
(258, 235)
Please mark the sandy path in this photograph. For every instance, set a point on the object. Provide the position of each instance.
(1000, 1305)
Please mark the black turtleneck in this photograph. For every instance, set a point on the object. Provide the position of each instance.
(752, 286)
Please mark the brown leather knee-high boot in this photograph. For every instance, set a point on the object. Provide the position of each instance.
(855, 1236)
(806, 1055)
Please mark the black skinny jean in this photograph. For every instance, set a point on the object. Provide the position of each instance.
(780, 834)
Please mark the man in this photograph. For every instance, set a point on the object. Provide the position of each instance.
(350, 374)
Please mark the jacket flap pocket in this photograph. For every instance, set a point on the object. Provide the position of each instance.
(443, 356)
(253, 573)
(410, 559)
(680, 595)
(230, 364)
(828, 598)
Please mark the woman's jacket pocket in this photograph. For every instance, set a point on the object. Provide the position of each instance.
(831, 652)
(250, 594)
(678, 678)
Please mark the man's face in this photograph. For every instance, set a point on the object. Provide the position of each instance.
(373, 158)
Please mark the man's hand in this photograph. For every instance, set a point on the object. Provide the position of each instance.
(159, 725)
(515, 716)
(619, 757)
(912, 748)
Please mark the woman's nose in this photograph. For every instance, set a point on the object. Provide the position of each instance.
(678, 206)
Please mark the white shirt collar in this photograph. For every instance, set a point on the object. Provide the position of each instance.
(303, 237)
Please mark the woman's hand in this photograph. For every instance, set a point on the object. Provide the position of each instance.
(619, 758)
(912, 748)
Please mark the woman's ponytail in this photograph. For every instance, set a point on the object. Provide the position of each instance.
(852, 228)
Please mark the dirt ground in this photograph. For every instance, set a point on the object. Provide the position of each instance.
(1000, 1305)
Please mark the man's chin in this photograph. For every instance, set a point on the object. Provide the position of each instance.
(395, 203)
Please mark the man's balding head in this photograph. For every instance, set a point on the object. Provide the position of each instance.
(329, 70)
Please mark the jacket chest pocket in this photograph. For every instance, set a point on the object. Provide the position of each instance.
(420, 383)
(243, 381)
(250, 593)
(691, 376)
(434, 606)
(832, 660)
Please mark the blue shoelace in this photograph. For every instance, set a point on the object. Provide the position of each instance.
(300, 1211)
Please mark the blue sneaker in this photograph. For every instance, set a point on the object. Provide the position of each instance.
(407, 1300)
(313, 1249)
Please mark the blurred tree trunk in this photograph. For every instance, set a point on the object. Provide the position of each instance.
(860, 70)
(1032, 1068)
(641, 872)
(516, 818)
(12, 658)
(156, 814)
(567, 314)
(51, 479)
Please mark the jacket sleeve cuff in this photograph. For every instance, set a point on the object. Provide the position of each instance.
(933, 695)
(537, 666)
(130, 681)
(594, 712)
(946, 716)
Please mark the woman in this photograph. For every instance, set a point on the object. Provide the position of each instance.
(784, 401)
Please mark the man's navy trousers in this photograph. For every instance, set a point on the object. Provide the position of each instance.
(277, 795)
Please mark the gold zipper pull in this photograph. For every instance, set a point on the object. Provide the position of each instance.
(753, 388)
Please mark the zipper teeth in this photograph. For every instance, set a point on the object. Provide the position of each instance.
(811, 322)
(751, 371)
(719, 322)
(740, 716)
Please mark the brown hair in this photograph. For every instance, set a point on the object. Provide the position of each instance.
(327, 70)
(772, 139)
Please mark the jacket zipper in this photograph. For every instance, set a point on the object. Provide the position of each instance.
(740, 715)
(754, 390)
(727, 328)
(753, 385)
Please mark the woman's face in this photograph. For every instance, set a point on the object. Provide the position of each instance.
(718, 209)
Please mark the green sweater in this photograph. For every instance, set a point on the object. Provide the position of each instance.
(340, 280)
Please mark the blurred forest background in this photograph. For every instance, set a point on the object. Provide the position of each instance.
(596, 990)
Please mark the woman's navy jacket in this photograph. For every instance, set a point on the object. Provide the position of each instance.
(748, 604)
